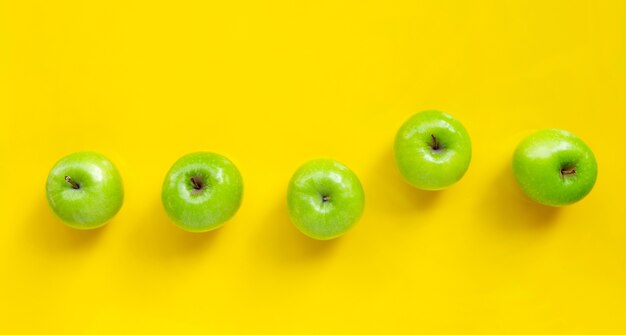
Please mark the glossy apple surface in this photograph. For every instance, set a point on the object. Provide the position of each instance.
(202, 191)
(325, 199)
(554, 167)
(432, 150)
(85, 190)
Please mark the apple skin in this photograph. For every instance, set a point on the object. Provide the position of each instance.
(210, 206)
(99, 196)
(325, 199)
(538, 162)
(429, 163)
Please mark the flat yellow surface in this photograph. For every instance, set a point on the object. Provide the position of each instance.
(272, 84)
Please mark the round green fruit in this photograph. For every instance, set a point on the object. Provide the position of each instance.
(432, 150)
(85, 190)
(202, 191)
(554, 167)
(325, 199)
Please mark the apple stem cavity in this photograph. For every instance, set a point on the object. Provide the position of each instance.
(325, 198)
(197, 183)
(435, 145)
(71, 182)
(567, 171)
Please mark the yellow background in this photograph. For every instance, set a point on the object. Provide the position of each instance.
(272, 84)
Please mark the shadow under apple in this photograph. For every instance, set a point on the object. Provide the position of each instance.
(512, 209)
(52, 236)
(158, 238)
(280, 242)
(392, 193)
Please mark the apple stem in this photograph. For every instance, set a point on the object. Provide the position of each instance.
(325, 198)
(568, 171)
(435, 144)
(71, 182)
(197, 183)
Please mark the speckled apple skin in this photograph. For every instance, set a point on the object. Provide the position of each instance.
(537, 164)
(345, 199)
(100, 194)
(423, 167)
(207, 209)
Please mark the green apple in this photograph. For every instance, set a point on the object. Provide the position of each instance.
(324, 199)
(85, 190)
(554, 167)
(202, 191)
(432, 150)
